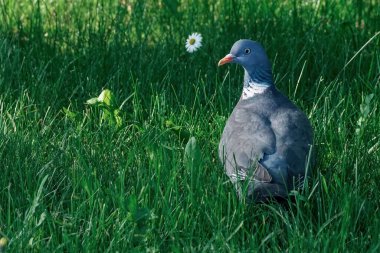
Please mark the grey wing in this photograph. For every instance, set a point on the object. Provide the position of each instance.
(294, 138)
(246, 137)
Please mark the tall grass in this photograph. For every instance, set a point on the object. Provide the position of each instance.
(72, 183)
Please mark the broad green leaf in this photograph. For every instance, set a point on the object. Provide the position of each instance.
(92, 101)
(107, 98)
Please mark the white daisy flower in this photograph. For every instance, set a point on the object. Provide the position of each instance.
(193, 42)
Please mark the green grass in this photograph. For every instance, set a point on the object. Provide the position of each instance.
(72, 182)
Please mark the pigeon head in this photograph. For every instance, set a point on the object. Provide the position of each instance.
(252, 57)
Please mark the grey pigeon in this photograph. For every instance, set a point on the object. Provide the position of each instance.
(266, 143)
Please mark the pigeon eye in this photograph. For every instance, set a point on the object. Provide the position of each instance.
(247, 51)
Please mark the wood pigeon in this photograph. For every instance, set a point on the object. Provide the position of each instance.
(266, 144)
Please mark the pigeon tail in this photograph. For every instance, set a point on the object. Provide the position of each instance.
(263, 192)
(259, 187)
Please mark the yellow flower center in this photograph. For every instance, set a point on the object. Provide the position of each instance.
(192, 41)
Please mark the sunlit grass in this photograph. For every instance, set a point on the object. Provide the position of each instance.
(123, 176)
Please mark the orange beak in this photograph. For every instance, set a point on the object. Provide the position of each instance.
(228, 58)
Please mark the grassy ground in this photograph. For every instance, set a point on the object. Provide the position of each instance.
(71, 180)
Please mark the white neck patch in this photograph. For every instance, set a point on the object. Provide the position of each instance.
(253, 89)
